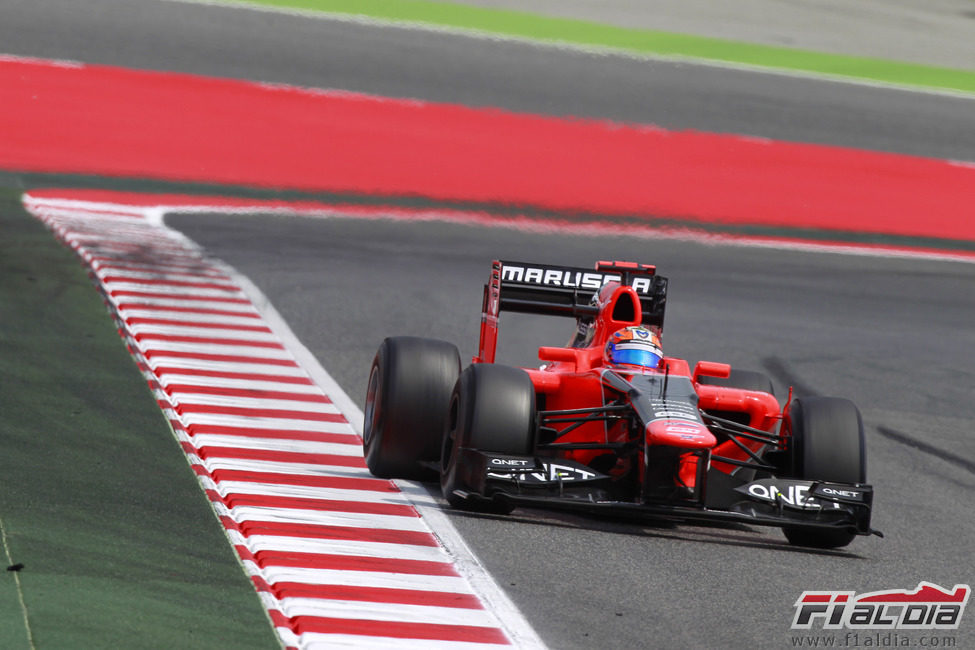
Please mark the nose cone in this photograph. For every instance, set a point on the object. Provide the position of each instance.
(680, 433)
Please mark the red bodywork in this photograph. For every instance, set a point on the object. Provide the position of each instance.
(572, 378)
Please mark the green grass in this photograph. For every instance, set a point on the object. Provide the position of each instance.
(119, 545)
(517, 24)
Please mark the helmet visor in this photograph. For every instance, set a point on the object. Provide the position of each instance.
(636, 357)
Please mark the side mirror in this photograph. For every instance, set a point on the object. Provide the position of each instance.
(711, 369)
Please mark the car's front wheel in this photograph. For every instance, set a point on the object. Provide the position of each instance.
(827, 444)
(492, 409)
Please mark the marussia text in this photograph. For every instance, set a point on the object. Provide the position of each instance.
(568, 278)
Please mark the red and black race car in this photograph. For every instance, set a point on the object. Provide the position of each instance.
(600, 426)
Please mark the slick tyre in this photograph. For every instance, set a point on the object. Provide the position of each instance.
(827, 445)
(409, 388)
(492, 409)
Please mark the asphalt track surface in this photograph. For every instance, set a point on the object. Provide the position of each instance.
(892, 334)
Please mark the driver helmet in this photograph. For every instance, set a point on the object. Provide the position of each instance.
(634, 346)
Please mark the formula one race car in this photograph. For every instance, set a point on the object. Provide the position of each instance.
(609, 423)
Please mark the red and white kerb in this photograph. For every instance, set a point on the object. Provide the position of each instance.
(339, 558)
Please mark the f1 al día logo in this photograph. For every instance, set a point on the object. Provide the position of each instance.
(929, 607)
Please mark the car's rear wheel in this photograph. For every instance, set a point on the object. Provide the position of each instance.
(492, 409)
(827, 444)
(409, 388)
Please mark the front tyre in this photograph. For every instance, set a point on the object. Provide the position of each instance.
(410, 384)
(492, 409)
(827, 445)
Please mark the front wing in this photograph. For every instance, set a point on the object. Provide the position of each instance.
(562, 484)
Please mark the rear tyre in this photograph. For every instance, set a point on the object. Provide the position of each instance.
(827, 445)
(406, 403)
(492, 409)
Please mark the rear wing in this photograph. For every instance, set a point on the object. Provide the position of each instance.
(563, 291)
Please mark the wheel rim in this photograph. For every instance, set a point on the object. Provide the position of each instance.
(373, 412)
(450, 435)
